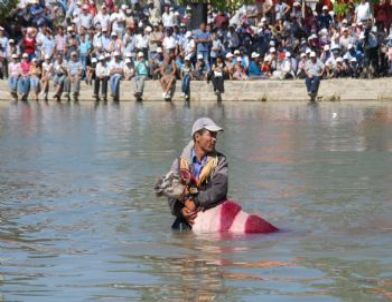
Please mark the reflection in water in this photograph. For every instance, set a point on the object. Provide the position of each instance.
(79, 220)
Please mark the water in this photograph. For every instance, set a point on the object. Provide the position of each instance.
(79, 220)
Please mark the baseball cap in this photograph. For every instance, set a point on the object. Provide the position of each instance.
(205, 123)
(312, 54)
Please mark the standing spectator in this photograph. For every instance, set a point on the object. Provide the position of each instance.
(116, 73)
(168, 77)
(203, 42)
(60, 41)
(363, 12)
(383, 15)
(86, 18)
(155, 41)
(115, 44)
(239, 70)
(3, 54)
(103, 18)
(29, 43)
(24, 80)
(47, 74)
(186, 75)
(141, 74)
(14, 72)
(324, 19)
(314, 69)
(85, 48)
(35, 74)
(168, 17)
(75, 73)
(102, 74)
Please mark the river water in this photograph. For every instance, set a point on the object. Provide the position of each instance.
(79, 220)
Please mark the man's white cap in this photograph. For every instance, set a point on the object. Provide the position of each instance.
(47, 57)
(127, 60)
(303, 55)
(288, 54)
(296, 3)
(312, 36)
(101, 58)
(263, 20)
(229, 55)
(188, 57)
(326, 47)
(124, 6)
(25, 55)
(200, 56)
(107, 55)
(312, 54)
(339, 59)
(94, 60)
(188, 34)
(159, 49)
(11, 41)
(70, 28)
(116, 54)
(255, 55)
(353, 59)
(113, 34)
(1, 28)
(272, 43)
(267, 58)
(349, 46)
(237, 52)
(344, 21)
(325, 7)
(128, 54)
(239, 59)
(205, 123)
(148, 29)
(272, 49)
(15, 56)
(140, 54)
(308, 51)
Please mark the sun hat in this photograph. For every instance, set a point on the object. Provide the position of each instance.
(205, 123)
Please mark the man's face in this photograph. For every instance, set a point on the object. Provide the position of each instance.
(206, 140)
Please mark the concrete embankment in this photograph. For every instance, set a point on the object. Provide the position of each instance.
(260, 90)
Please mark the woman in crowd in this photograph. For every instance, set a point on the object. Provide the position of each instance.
(24, 79)
(35, 74)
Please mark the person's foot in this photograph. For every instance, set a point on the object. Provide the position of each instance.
(164, 95)
(186, 96)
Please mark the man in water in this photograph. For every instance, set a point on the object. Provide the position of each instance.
(205, 171)
(314, 70)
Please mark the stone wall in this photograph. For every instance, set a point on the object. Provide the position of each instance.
(261, 90)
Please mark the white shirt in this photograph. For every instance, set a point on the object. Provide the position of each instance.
(102, 70)
(169, 42)
(363, 12)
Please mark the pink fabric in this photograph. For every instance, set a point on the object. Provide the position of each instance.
(228, 217)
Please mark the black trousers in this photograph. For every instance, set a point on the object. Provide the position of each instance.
(218, 83)
(104, 86)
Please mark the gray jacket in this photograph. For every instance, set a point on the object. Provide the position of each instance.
(212, 192)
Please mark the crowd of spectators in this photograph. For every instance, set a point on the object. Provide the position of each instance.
(59, 43)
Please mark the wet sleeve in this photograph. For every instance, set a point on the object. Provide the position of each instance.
(216, 190)
(175, 205)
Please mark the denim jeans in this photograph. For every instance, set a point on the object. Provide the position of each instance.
(24, 85)
(115, 85)
(34, 84)
(312, 84)
(186, 84)
(13, 83)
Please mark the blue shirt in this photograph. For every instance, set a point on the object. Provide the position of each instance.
(197, 165)
(202, 47)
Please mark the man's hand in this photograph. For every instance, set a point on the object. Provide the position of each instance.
(189, 211)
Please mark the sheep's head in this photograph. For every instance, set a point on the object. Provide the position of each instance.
(170, 186)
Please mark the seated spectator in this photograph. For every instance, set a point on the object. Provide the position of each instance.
(14, 72)
(129, 70)
(116, 73)
(301, 66)
(102, 75)
(254, 70)
(75, 73)
(218, 76)
(24, 80)
(155, 64)
(47, 74)
(141, 75)
(35, 74)
(60, 77)
(186, 75)
(168, 77)
(266, 68)
(201, 68)
(239, 71)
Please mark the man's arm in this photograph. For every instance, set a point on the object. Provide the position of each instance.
(217, 188)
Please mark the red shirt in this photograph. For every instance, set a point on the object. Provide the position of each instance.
(29, 45)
